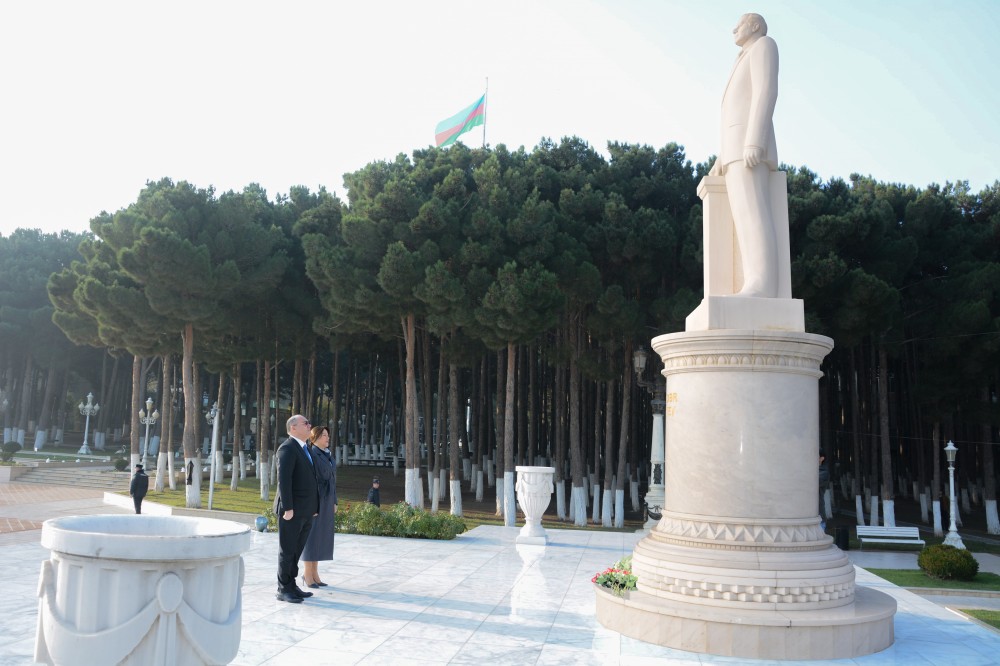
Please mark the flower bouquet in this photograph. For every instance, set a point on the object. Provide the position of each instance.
(618, 578)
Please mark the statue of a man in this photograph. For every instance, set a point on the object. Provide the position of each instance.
(748, 153)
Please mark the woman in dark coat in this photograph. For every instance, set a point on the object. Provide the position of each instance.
(319, 545)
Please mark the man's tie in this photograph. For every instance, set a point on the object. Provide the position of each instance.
(306, 449)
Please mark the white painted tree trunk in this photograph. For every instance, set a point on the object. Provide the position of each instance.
(828, 503)
(420, 491)
(873, 521)
(243, 465)
(634, 494)
(859, 510)
(620, 507)
(992, 520)
(571, 514)
(491, 478)
(171, 475)
(579, 506)
(499, 496)
(479, 485)
(509, 500)
(161, 472)
(442, 484)
(456, 498)
(916, 489)
(924, 516)
(192, 493)
(411, 486)
(561, 499)
(474, 476)
(466, 469)
(936, 511)
(595, 492)
(606, 509)
(889, 513)
(433, 491)
(958, 512)
(966, 506)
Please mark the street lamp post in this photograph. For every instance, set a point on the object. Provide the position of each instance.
(87, 410)
(657, 390)
(147, 418)
(952, 538)
(212, 417)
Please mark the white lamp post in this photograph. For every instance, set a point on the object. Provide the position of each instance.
(657, 390)
(147, 419)
(952, 538)
(87, 410)
(212, 417)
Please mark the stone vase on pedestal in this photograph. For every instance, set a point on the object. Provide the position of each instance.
(534, 491)
(149, 590)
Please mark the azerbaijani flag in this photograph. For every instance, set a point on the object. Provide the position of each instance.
(474, 115)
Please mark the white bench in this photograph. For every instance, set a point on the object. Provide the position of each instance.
(910, 535)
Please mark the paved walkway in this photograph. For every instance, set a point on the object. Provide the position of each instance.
(476, 599)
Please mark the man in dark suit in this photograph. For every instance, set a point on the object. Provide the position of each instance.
(295, 504)
(138, 488)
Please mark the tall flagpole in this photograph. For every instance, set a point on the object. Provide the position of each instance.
(486, 98)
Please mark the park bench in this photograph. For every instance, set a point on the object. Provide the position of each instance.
(910, 535)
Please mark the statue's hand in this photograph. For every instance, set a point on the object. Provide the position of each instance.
(752, 156)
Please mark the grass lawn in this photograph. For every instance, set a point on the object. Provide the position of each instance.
(990, 617)
(984, 581)
(353, 483)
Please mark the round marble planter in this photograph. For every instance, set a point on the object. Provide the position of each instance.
(534, 491)
(151, 590)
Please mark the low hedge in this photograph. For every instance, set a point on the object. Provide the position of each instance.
(398, 520)
(947, 562)
(8, 451)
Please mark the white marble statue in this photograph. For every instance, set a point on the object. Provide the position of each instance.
(748, 154)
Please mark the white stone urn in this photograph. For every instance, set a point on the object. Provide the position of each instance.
(150, 590)
(534, 490)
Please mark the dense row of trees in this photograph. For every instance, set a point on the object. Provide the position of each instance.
(480, 307)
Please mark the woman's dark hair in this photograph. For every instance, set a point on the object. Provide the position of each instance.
(316, 432)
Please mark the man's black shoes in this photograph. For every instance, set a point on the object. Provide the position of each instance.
(289, 596)
(300, 592)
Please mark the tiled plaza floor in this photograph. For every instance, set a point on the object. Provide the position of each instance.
(479, 599)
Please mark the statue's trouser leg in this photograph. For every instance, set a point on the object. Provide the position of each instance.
(750, 201)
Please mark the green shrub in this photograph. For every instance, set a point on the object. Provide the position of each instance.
(947, 562)
(272, 520)
(398, 520)
(9, 449)
(121, 464)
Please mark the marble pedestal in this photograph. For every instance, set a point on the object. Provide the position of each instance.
(738, 564)
(534, 491)
(149, 590)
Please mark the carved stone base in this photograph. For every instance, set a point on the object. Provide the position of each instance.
(855, 630)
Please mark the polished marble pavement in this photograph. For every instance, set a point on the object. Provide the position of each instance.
(477, 599)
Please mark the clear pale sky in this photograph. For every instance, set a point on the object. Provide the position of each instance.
(101, 97)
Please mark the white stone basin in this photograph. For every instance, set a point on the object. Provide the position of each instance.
(152, 538)
(149, 590)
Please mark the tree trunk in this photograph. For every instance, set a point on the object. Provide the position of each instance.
(883, 413)
(45, 418)
(412, 449)
(623, 439)
(264, 441)
(989, 476)
(609, 452)
(509, 504)
(575, 448)
(191, 413)
(455, 420)
(936, 482)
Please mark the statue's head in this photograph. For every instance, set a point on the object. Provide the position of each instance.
(749, 28)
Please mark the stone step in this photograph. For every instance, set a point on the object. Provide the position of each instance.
(82, 478)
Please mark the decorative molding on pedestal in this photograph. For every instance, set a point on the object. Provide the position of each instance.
(749, 351)
(734, 533)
